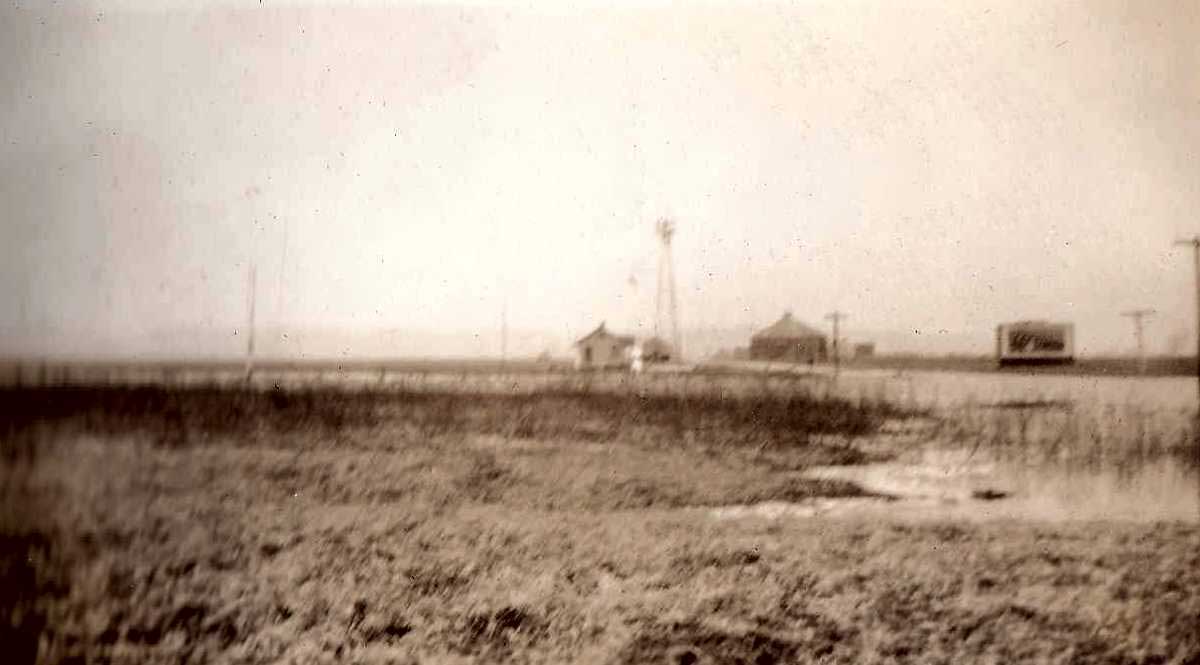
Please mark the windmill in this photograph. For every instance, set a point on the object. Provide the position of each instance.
(666, 287)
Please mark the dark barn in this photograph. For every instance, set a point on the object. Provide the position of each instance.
(789, 340)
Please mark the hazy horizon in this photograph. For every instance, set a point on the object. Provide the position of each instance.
(399, 344)
(937, 167)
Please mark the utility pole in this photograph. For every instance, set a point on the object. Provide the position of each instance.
(504, 333)
(836, 317)
(250, 327)
(1138, 315)
(1194, 243)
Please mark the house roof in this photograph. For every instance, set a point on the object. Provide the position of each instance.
(602, 332)
(787, 327)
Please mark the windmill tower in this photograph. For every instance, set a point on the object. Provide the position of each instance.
(666, 287)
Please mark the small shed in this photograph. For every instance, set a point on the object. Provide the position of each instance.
(603, 349)
(789, 340)
(656, 350)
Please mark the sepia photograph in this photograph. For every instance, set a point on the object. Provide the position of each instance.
(613, 333)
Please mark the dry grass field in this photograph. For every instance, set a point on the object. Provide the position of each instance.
(154, 525)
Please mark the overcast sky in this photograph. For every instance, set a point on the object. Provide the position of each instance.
(924, 166)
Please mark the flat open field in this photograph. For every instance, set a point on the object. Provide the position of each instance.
(423, 524)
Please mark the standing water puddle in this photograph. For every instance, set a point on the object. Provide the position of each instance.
(945, 484)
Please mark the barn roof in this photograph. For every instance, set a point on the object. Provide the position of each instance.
(601, 332)
(787, 327)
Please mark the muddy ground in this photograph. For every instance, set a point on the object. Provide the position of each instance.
(208, 526)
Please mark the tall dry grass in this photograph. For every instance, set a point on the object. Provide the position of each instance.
(1122, 437)
(182, 416)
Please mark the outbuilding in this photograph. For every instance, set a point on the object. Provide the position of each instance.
(656, 350)
(602, 349)
(789, 340)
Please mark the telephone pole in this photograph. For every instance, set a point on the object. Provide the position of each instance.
(1194, 243)
(1138, 315)
(836, 317)
(250, 327)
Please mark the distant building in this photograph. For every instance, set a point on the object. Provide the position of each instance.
(864, 350)
(656, 350)
(602, 349)
(789, 340)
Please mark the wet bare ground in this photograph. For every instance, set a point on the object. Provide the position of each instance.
(202, 528)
